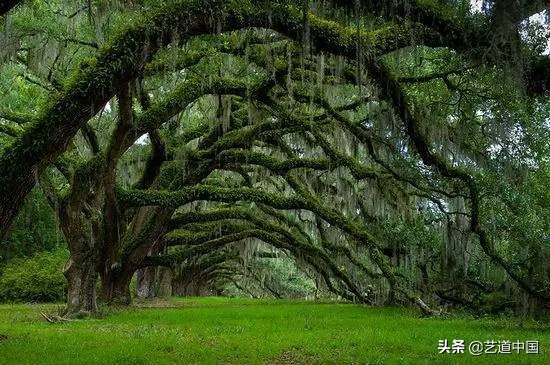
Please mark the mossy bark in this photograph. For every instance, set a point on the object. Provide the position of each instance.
(93, 86)
(81, 274)
(81, 270)
(115, 287)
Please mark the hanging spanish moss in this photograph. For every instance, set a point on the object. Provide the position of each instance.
(382, 153)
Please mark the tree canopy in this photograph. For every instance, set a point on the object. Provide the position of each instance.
(394, 151)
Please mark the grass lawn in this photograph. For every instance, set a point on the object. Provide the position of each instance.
(243, 331)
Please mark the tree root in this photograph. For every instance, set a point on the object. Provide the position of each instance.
(55, 318)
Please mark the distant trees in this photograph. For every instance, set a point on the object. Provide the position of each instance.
(389, 159)
(35, 229)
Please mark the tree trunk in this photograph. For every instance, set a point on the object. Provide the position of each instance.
(81, 270)
(146, 283)
(165, 282)
(506, 49)
(81, 274)
(178, 287)
(115, 287)
(189, 285)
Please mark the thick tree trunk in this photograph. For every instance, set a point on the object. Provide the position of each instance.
(164, 282)
(505, 32)
(81, 270)
(81, 277)
(178, 287)
(146, 280)
(115, 287)
(190, 287)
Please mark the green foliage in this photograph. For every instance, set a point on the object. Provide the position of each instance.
(495, 302)
(36, 279)
(34, 230)
(439, 145)
(281, 275)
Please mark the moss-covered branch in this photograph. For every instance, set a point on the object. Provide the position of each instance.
(294, 243)
(11, 130)
(93, 85)
(125, 59)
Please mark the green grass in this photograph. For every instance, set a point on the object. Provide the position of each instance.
(241, 331)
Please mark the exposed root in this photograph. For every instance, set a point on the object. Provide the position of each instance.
(426, 310)
(54, 318)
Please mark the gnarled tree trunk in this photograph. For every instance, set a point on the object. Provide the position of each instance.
(82, 268)
(81, 274)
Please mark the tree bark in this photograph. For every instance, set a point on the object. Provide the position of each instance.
(82, 268)
(81, 274)
(164, 282)
(146, 283)
(190, 284)
(115, 286)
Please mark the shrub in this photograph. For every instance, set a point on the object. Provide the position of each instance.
(35, 279)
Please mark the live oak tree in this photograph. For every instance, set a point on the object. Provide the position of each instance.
(397, 151)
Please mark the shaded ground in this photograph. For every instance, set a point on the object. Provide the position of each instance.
(240, 331)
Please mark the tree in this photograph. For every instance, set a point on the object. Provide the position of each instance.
(367, 151)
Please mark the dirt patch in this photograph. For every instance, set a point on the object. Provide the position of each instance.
(294, 356)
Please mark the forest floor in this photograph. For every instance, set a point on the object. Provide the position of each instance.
(245, 331)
